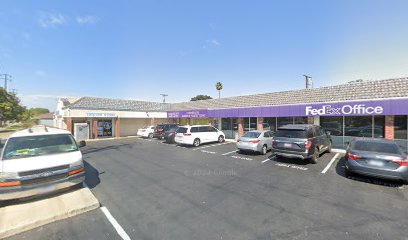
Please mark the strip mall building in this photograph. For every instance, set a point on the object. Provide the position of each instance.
(368, 109)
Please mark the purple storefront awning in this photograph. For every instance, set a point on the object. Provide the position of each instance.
(350, 108)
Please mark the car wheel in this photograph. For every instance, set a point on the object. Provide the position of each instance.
(221, 139)
(196, 142)
(315, 156)
(264, 150)
(329, 149)
(150, 135)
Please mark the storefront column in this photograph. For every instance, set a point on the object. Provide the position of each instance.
(152, 121)
(259, 126)
(240, 122)
(389, 127)
(94, 128)
(310, 120)
(117, 128)
(69, 123)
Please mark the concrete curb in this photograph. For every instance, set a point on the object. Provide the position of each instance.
(22, 217)
(113, 138)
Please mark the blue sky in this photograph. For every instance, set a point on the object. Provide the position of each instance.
(139, 49)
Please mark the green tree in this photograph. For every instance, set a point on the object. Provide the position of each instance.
(10, 108)
(200, 97)
(33, 112)
(219, 87)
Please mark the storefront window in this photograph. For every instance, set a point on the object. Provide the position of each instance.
(230, 127)
(104, 128)
(270, 122)
(250, 124)
(400, 127)
(284, 121)
(300, 120)
(358, 126)
(379, 127)
(400, 131)
(332, 124)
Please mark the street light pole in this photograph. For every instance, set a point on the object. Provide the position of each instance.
(164, 97)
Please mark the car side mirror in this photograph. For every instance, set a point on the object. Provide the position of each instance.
(82, 144)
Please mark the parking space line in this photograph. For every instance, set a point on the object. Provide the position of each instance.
(214, 145)
(229, 152)
(115, 224)
(330, 163)
(264, 161)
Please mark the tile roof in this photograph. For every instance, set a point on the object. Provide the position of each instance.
(49, 115)
(388, 88)
(96, 103)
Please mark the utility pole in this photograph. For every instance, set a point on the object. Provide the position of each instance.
(7, 77)
(164, 97)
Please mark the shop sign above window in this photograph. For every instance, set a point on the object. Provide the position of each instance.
(90, 114)
(348, 109)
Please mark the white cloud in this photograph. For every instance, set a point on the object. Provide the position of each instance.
(89, 19)
(40, 73)
(51, 19)
(212, 43)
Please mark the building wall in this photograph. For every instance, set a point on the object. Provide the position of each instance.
(129, 127)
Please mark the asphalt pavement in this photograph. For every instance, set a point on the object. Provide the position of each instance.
(155, 190)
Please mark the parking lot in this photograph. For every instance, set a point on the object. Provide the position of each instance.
(155, 190)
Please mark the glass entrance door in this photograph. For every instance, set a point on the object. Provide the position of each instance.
(104, 128)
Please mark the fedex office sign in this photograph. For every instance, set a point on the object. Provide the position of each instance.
(357, 109)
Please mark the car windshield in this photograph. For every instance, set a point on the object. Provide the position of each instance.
(380, 147)
(291, 133)
(252, 134)
(31, 146)
(181, 130)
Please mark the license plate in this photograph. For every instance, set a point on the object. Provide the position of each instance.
(287, 145)
(377, 163)
(47, 189)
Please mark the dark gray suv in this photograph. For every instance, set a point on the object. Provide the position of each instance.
(304, 141)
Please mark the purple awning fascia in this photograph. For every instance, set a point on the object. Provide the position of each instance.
(397, 106)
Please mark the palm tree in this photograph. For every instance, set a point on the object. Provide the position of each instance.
(218, 86)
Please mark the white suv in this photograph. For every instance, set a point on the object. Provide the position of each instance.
(39, 160)
(147, 131)
(198, 134)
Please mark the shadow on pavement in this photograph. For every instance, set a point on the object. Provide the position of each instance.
(340, 170)
(91, 175)
(294, 161)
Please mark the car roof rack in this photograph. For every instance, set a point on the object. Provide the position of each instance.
(44, 127)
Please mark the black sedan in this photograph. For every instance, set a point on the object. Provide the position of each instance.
(377, 158)
(169, 135)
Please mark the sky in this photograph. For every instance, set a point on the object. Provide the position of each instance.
(140, 49)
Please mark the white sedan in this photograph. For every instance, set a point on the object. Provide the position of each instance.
(146, 131)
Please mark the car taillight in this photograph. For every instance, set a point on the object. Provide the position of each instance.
(171, 134)
(308, 145)
(401, 162)
(255, 141)
(187, 134)
(274, 143)
(353, 157)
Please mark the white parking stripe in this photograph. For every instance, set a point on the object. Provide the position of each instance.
(214, 145)
(266, 160)
(115, 224)
(229, 152)
(330, 163)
